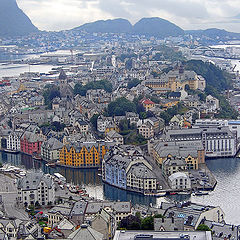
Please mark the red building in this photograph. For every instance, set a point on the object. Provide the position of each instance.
(31, 144)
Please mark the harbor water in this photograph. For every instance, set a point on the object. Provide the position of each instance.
(226, 194)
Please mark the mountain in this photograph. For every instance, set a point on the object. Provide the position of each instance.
(108, 26)
(157, 27)
(146, 26)
(13, 21)
(214, 33)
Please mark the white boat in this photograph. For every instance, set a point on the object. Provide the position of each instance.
(160, 194)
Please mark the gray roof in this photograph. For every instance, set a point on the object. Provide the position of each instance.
(119, 207)
(140, 170)
(32, 137)
(63, 209)
(52, 144)
(168, 224)
(32, 180)
(86, 233)
(79, 208)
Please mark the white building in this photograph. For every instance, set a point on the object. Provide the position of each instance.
(102, 123)
(36, 187)
(179, 181)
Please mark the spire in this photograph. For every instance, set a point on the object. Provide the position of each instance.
(62, 75)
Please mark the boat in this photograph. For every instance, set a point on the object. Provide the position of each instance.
(173, 193)
(160, 194)
(184, 193)
(99, 174)
(200, 193)
(51, 164)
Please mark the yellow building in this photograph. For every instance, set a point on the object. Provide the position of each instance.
(192, 156)
(176, 79)
(83, 154)
(147, 104)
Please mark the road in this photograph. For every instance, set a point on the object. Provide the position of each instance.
(8, 191)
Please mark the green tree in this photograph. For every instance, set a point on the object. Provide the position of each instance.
(50, 92)
(147, 223)
(203, 227)
(120, 106)
(133, 83)
(93, 120)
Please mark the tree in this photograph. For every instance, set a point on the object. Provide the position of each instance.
(103, 84)
(203, 227)
(94, 119)
(50, 92)
(120, 106)
(148, 223)
(133, 83)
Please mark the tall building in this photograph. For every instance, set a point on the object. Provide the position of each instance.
(36, 188)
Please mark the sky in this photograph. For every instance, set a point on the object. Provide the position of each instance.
(188, 14)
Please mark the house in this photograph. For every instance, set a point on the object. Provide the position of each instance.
(147, 104)
(212, 103)
(146, 130)
(105, 223)
(103, 122)
(58, 213)
(168, 224)
(50, 150)
(113, 136)
(36, 188)
(119, 209)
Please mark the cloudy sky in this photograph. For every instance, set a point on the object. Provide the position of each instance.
(188, 14)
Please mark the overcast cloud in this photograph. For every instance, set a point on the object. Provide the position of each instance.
(188, 14)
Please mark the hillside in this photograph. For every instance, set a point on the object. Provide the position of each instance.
(146, 26)
(157, 27)
(13, 21)
(108, 26)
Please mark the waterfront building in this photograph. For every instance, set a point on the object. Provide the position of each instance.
(50, 150)
(88, 154)
(10, 140)
(234, 125)
(179, 181)
(31, 143)
(36, 188)
(191, 152)
(125, 167)
(217, 142)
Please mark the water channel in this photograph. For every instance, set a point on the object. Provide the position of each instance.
(226, 194)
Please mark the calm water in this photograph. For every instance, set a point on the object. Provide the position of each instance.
(226, 194)
(87, 178)
(15, 69)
